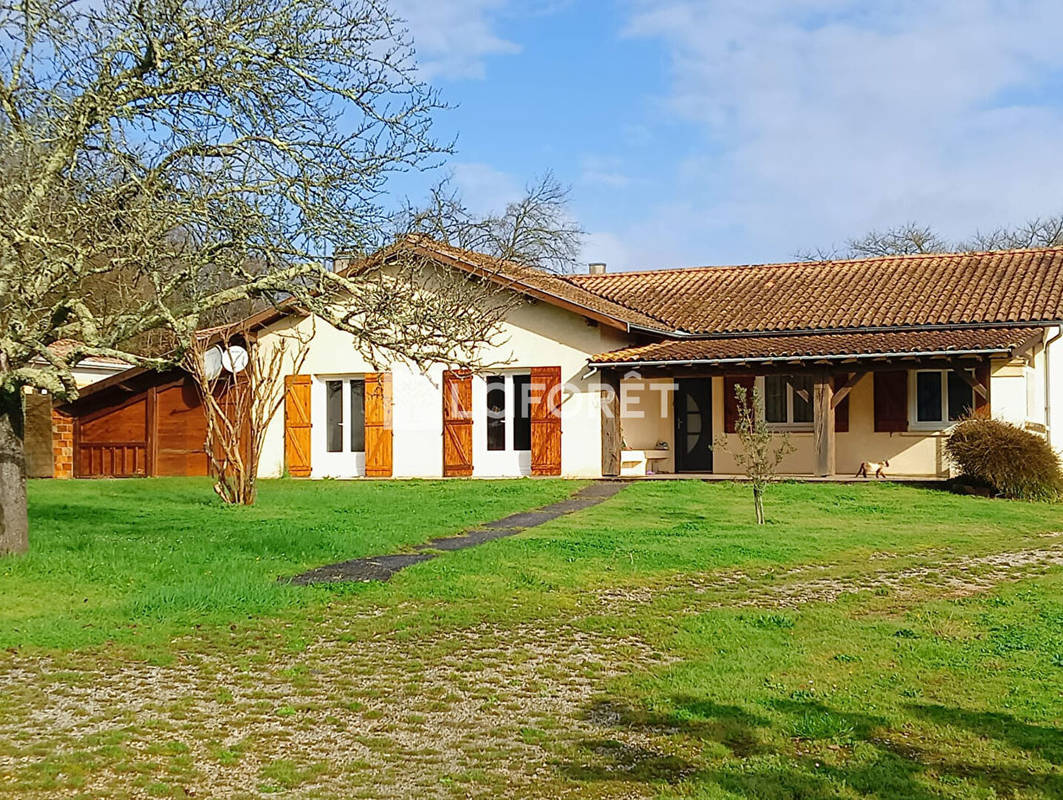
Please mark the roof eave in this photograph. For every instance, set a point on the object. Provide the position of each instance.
(531, 291)
(805, 358)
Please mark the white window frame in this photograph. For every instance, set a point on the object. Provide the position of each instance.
(789, 425)
(913, 401)
(497, 463)
(345, 463)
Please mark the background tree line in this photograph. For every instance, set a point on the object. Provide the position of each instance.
(913, 237)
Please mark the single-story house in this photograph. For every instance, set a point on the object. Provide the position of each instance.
(636, 372)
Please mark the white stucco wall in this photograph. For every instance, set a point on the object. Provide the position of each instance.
(1008, 391)
(1053, 372)
(647, 416)
(533, 335)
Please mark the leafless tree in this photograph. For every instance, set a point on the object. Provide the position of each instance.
(760, 449)
(907, 239)
(1036, 232)
(534, 230)
(200, 154)
(239, 405)
(912, 238)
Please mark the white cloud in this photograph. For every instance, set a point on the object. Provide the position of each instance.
(824, 118)
(454, 37)
(483, 188)
(601, 171)
(608, 248)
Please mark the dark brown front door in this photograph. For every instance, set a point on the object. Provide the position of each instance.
(693, 425)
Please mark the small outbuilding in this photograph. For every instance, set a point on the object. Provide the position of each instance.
(135, 424)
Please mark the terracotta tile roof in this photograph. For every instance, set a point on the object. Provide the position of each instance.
(539, 282)
(1004, 341)
(64, 347)
(1013, 286)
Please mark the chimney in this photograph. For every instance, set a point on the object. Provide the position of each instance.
(596, 268)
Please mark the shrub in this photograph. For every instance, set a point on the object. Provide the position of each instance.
(1014, 462)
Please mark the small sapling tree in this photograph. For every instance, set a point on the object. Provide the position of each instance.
(760, 449)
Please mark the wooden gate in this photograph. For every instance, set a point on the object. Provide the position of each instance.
(297, 425)
(457, 423)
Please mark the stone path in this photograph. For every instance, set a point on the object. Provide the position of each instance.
(381, 568)
(797, 586)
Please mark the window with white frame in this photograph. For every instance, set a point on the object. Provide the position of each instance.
(345, 415)
(939, 397)
(508, 413)
(787, 400)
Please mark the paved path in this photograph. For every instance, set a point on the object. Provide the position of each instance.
(381, 568)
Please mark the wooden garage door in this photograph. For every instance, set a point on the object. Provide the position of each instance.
(457, 423)
(112, 442)
(297, 425)
(546, 420)
(378, 437)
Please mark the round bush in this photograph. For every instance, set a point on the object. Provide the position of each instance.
(1014, 462)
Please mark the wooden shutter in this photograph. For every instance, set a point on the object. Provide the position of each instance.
(841, 411)
(545, 396)
(378, 438)
(891, 401)
(297, 425)
(982, 404)
(730, 399)
(457, 423)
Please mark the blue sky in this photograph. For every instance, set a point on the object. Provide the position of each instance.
(723, 131)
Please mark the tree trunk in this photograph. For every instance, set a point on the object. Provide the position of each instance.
(14, 524)
(758, 504)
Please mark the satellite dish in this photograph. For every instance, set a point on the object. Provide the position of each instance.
(212, 362)
(234, 359)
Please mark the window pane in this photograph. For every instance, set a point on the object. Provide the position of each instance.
(775, 398)
(961, 397)
(334, 416)
(496, 413)
(357, 420)
(522, 412)
(802, 408)
(928, 396)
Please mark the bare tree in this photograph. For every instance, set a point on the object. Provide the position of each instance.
(200, 154)
(907, 239)
(240, 399)
(912, 238)
(1036, 232)
(534, 230)
(760, 450)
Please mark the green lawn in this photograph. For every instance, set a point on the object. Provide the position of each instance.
(871, 641)
(143, 560)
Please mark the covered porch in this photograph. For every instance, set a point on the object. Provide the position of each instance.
(670, 408)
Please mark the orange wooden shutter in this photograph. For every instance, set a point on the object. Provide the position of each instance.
(457, 423)
(378, 439)
(545, 396)
(730, 399)
(297, 425)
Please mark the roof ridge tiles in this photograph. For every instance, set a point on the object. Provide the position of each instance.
(604, 277)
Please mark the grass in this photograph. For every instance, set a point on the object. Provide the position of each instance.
(871, 641)
(139, 561)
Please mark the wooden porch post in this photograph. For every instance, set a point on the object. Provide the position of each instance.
(823, 425)
(610, 403)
